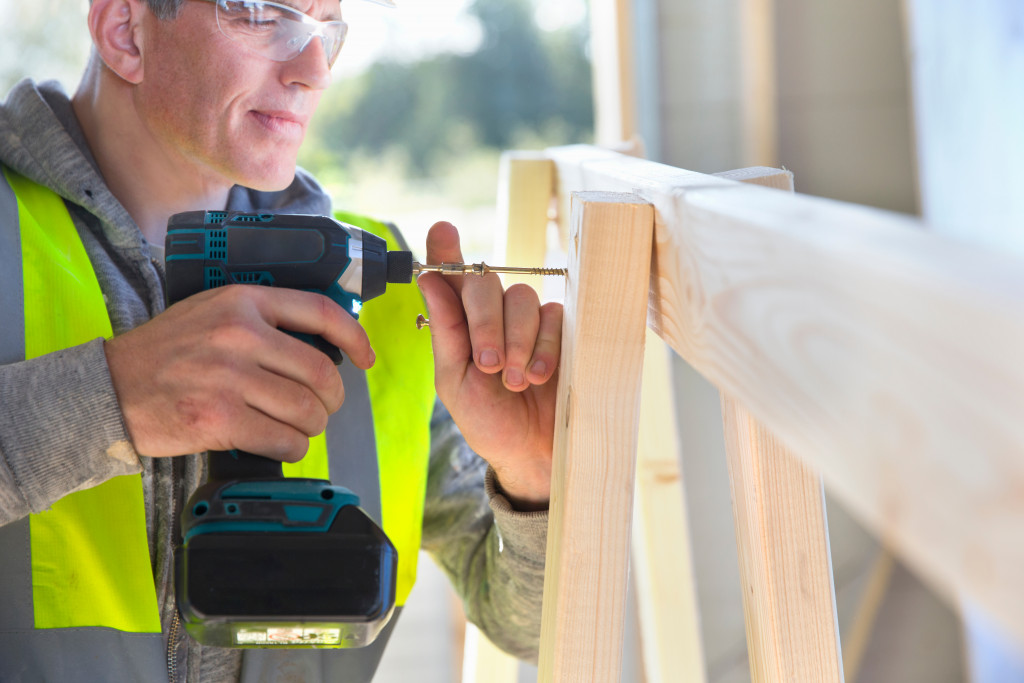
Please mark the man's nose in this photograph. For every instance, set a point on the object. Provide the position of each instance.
(309, 68)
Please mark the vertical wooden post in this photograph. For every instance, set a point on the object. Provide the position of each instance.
(595, 438)
(525, 192)
(785, 565)
(662, 562)
(611, 46)
(782, 538)
(526, 187)
(757, 73)
(483, 662)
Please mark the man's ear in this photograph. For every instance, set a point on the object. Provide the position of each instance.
(116, 28)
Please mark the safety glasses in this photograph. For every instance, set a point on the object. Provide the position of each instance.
(277, 31)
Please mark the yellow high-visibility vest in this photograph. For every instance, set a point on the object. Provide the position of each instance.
(90, 558)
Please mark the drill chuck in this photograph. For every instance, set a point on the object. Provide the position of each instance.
(399, 267)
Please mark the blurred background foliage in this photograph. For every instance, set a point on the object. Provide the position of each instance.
(417, 138)
(419, 111)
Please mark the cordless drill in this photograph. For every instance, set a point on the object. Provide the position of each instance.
(269, 561)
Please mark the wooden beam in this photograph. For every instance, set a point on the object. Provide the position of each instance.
(789, 598)
(526, 189)
(662, 548)
(785, 565)
(611, 49)
(862, 625)
(595, 439)
(525, 195)
(765, 176)
(760, 134)
(569, 178)
(883, 356)
(662, 569)
(484, 662)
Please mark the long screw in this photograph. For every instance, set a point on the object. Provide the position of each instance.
(480, 269)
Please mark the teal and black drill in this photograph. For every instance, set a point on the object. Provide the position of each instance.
(269, 561)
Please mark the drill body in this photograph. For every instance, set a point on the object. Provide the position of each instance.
(269, 561)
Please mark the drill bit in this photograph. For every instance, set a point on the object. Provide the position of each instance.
(480, 269)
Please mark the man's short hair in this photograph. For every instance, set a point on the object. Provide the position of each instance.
(165, 9)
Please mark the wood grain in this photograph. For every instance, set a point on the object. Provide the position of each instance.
(789, 601)
(886, 357)
(595, 439)
(785, 566)
(662, 557)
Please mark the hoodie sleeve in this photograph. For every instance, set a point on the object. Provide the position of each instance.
(493, 555)
(60, 429)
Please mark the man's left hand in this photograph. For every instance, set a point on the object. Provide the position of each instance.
(496, 354)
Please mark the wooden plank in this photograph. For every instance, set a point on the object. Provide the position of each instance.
(484, 662)
(662, 557)
(887, 358)
(526, 188)
(525, 194)
(785, 564)
(569, 165)
(789, 599)
(760, 134)
(611, 30)
(595, 439)
(662, 549)
(862, 625)
(765, 176)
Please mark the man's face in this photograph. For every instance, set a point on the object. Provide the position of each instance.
(234, 115)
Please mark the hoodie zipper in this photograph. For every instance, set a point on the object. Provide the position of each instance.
(172, 648)
(172, 635)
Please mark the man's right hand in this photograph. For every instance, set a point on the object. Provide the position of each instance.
(214, 372)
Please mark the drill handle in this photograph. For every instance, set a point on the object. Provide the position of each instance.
(237, 465)
(322, 345)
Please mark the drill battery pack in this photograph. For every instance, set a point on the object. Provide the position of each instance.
(272, 564)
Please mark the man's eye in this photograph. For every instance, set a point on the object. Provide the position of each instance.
(262, 23)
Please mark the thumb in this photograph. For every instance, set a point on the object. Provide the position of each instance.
(449, 333)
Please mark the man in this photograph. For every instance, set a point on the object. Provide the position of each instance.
(196, 104)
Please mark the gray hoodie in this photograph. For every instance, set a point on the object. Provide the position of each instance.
(61, 428)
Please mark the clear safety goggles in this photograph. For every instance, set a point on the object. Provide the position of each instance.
(277, 31)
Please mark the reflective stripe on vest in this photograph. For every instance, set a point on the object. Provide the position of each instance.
(90, 555)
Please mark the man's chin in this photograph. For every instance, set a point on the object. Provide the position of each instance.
(279, 179)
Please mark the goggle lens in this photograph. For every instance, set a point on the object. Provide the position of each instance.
(277, 31)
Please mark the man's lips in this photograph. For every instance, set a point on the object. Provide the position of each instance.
(281, 122)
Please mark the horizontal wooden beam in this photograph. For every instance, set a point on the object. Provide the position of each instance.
(887, 358)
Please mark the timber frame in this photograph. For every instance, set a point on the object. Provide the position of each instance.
(853, 349)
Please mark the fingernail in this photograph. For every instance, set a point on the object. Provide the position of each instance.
(373, 357)
(514, 378)
(488, 358)
(539, 368)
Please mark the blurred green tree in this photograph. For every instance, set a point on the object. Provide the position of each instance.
(522, 83)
